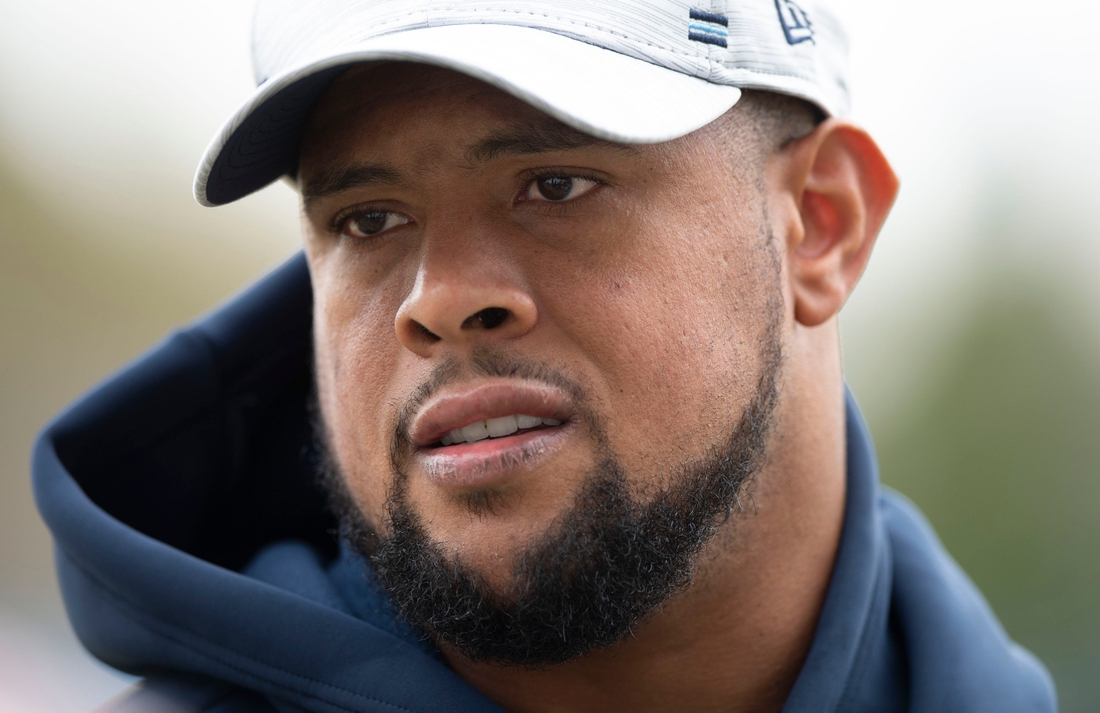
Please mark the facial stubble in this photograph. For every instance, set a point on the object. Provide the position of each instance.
(604, 565)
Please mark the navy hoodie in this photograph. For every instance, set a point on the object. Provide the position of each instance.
(193, 548)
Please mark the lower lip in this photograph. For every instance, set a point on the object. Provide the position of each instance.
(492, 461)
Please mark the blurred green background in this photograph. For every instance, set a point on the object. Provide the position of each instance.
(973, 342)
(1001, 452)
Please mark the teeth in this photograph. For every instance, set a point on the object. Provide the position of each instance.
(495, 428)
(528, 421)
(475, 432)
(505, 426)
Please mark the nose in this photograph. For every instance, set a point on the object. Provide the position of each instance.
(458, 302)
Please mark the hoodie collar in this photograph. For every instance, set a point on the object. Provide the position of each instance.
(853, 657)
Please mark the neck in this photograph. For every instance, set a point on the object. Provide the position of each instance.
(735, 639)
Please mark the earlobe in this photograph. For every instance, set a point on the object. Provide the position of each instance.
(843, 189)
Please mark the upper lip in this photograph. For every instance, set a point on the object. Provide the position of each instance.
(465, 405)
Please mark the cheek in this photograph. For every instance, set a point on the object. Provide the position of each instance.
(356, 357)
(672, 324)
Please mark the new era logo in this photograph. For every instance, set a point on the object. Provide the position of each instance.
(796, 23)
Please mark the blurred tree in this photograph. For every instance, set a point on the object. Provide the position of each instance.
(1002, 452)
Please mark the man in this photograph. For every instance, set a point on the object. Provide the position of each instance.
(563, 348)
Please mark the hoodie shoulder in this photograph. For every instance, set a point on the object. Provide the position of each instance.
(162, 485)
(960, 657)
(187, 694)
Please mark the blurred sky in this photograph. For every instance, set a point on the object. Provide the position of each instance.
(988, 112)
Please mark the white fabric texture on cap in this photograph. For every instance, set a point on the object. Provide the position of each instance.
(758, 54)
(634, 71)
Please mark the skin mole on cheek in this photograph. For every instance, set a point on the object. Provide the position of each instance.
(618, 281)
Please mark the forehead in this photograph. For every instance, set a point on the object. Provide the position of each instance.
(386, 119)
(392, 122)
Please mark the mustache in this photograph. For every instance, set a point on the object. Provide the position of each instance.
(484, 361)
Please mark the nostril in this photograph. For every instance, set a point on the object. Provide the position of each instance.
(425, 333)
(493, 317)
(488, 318)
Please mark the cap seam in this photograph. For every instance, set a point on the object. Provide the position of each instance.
(600, 28)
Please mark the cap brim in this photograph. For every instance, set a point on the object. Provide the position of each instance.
(594, 90)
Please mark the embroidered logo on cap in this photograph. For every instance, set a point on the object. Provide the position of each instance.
(708, 27)
(796, 23)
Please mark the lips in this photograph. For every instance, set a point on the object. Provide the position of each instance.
(464, 411)
(465, 438)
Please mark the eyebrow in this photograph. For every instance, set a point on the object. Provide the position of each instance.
(541, 137)
(344, 178)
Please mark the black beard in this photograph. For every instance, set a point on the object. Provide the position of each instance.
(607, 563)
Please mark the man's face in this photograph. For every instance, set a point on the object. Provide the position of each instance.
(474, 261)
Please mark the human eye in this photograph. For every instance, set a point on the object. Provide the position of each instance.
(558, 188)
(368, 223)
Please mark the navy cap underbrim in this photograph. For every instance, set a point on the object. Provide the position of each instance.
(265, 146)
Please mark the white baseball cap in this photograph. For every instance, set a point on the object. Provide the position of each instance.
(629, 71)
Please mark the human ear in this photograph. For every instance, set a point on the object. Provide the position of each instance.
(837, 190)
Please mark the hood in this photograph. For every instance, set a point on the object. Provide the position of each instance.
(191, 539)
(168, 479)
